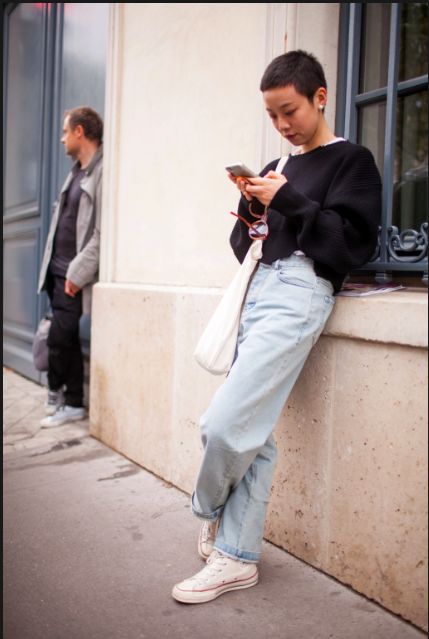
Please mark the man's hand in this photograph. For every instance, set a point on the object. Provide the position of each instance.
(71, 289)
(265, 188)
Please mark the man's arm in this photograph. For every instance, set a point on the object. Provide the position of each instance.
(71, 289)
(83, 268)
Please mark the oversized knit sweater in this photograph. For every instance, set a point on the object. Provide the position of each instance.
(329, 209)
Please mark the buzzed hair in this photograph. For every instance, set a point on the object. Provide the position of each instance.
(297, 68)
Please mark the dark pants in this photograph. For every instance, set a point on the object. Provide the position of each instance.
(65, 355)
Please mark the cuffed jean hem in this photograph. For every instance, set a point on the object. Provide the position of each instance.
(242, 555)
(210, 516)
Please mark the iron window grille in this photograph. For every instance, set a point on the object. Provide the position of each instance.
(382, 103)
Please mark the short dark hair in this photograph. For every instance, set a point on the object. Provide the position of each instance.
(90, 121)
(299, 68)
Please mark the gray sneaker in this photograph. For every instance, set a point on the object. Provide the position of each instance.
(63, 415)
(54, 400)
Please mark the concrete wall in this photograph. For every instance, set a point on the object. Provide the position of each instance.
(182, 102)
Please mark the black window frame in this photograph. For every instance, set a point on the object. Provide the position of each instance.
(399, 253)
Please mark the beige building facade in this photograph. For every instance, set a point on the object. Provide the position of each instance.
(183, 101)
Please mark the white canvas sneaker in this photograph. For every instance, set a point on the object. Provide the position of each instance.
(63, 415)
(54, 400)
(207, 537)
(221, 574)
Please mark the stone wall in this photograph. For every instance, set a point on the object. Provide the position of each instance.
(349, 495)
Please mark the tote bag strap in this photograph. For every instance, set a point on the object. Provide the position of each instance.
(256, 247)
(281, 164)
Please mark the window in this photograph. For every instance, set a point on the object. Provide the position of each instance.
(382, 104)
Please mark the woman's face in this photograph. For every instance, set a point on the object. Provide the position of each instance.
(296, 117)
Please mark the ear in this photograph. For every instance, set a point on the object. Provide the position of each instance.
(320, 98)
(79, 132)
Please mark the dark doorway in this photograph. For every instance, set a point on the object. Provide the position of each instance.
(54, 58)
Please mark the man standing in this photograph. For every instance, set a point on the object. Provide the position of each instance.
(70, 263)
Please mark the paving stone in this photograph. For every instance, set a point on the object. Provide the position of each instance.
(93, 544)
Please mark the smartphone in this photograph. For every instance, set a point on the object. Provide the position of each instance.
(240, 170)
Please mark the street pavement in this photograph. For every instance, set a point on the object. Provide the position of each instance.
(93, 544)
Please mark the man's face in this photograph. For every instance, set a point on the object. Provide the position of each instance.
(71, 138)
(293, 114)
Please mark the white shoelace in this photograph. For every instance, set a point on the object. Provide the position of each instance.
(214, 566)
(208, 532)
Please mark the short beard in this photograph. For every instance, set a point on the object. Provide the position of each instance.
(72, 155)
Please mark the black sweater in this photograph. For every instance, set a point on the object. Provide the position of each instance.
(329, 209)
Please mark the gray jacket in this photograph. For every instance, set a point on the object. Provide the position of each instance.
(83, 269)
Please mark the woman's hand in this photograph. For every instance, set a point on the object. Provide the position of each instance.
(241, 184)
(264, 188)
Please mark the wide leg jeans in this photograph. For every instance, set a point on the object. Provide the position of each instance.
(285, 310)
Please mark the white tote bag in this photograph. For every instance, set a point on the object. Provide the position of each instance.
(216, 347)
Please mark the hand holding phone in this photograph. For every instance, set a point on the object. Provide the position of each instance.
(240, 170)
(240, 174)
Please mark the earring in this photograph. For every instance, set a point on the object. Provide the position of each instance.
(321, 107)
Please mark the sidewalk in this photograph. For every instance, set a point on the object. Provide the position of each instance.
(93, 544)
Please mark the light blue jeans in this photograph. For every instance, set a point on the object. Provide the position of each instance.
(285, 310)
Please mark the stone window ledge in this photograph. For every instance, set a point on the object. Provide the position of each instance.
(399, 317)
